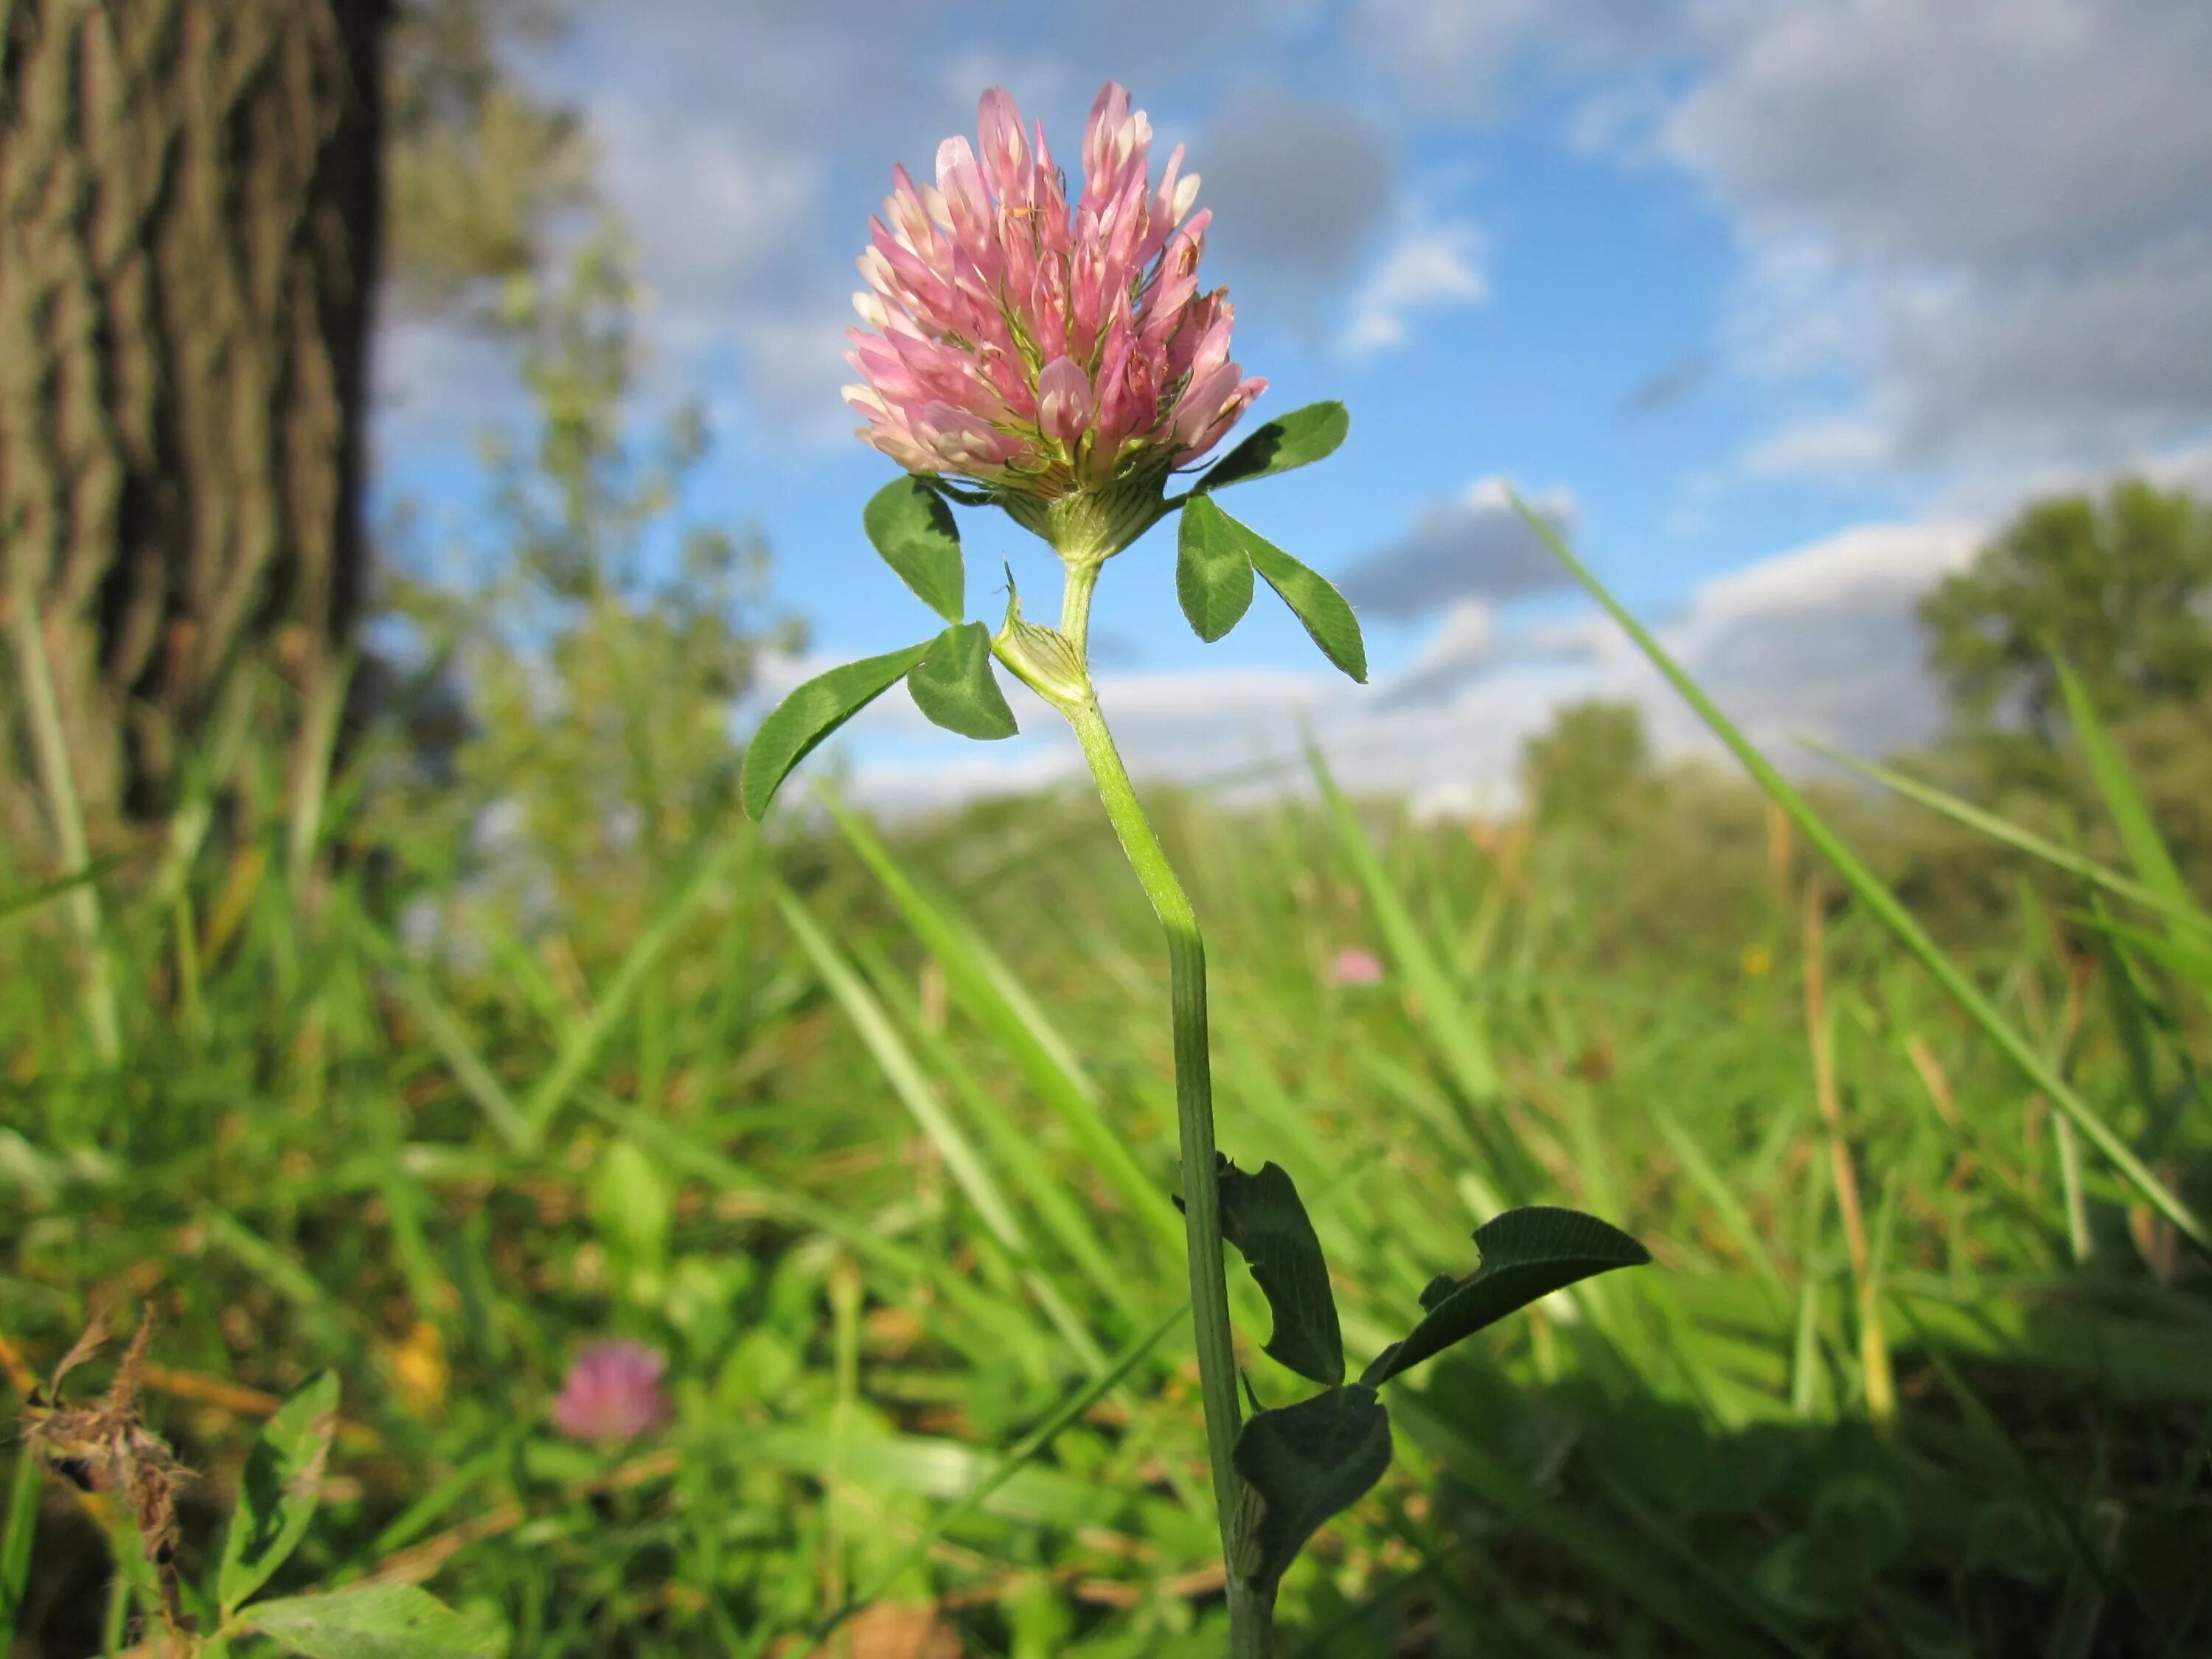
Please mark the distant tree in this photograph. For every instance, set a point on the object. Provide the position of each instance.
(2121, 588)
(601, 648)
(197, 199)
(1588, 767)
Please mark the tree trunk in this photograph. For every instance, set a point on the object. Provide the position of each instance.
(188, 227)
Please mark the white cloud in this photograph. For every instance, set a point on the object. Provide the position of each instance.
(1465, 645)
(1980, 131)
(1475, 547)
(1428, 266)
(1990, 221)
(1995, 216)
(1452, 57)
(1300, 188)
(1817, 447)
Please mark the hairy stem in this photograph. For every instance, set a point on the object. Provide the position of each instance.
(1064, 681)
(1209, 1289)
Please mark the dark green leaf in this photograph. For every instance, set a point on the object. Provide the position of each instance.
(955, 687)
(1263, 1218)
(1308, 594)
(1860, 1528)
(374, 1621)
(277, 1493)
(811, 714)
(913, 529)
(1213, 571)
(1525, 1254)
(2014, 1538)
(1308, 1462)
(1292, 439)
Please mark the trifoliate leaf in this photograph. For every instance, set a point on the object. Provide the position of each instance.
(913, 529)
(811, 714)
(1525, 1254)
(1213, 571)
(1293, 439)
(955, 687)
(1308, 1462)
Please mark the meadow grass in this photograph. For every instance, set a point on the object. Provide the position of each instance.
(872, 1130)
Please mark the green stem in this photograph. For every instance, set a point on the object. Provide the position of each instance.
(1249, 1612)
(1060, 672)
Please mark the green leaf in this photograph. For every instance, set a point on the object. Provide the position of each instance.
(1262, 1216)
(277, 1493)
(913, 529)
(1213, 571)
(632, 1205)
(955, 687)
(1859, 1529)
(1293, 439)
(1311, 599)
(1308, 1462)
(1525, 1254)
(811, 714)
(374, 1621)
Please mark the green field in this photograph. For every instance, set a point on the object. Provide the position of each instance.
(870, 1129)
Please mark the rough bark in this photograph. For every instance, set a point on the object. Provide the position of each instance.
(189, 225)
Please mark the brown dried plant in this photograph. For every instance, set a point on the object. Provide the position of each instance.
(105, 1448)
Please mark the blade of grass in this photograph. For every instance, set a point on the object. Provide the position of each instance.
(65, 811)
(1459, 1033)
(16, 906)
(1029, 1039)
(582, 1046)
(1656, 1584)
(1728, 1209)
(2012, 835)
(1877, 898)
(919, 1096)
(451, 1038)
(15, 1542)
(780, 1201)
(1062, 1216)
(2147, 850)
(1025, 1451)
(914, 1090)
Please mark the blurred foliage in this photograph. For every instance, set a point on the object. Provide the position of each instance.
(596, 644)
(478, 164)
(1594, 767)
(2120, 587)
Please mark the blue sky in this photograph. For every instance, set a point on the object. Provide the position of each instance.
(1777, 307)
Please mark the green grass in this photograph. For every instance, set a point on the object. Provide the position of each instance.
(872, 1131)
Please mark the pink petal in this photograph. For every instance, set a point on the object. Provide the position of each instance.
(1064, 400)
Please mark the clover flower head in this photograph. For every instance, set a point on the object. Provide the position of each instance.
(1039, 351)
(612, 1393)
(1353, 966)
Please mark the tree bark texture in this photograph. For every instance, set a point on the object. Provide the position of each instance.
(189, 229)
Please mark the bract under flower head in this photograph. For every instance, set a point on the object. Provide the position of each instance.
(1039, 351)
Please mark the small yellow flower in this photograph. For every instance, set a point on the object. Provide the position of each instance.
(1757, 959)
(419, 1369)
